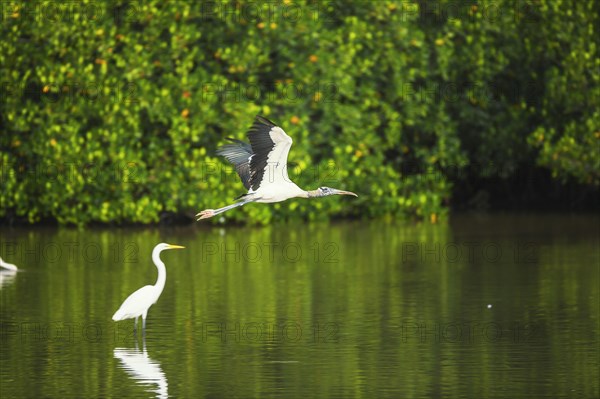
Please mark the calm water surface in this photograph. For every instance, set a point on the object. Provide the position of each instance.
(483, 306)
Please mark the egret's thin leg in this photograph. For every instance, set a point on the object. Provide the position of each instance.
(208, 213)
(135, 326)
(144, 321)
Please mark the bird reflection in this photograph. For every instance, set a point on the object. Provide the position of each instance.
(7, 266)
(143, 369)
(7, 277)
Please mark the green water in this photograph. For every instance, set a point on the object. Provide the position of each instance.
(503, 306)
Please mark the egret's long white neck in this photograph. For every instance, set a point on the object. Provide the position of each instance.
(162, 272)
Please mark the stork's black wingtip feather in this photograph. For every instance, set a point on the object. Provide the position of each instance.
(264, 121)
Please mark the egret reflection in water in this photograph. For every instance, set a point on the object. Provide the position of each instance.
(7, 266)
(143, 369)
(7, 277)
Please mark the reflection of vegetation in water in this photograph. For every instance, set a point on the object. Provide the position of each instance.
(352, 308)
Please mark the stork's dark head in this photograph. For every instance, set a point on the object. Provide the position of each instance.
(326, 191)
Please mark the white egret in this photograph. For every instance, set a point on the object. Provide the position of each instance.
(262, 166)
(138, 303)
(8, 266)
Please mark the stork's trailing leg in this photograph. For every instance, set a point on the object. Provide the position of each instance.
(208, 213)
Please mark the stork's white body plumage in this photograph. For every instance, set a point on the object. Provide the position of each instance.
(262, 167)
(279, 192)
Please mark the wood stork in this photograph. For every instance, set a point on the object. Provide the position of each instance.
(262, 167)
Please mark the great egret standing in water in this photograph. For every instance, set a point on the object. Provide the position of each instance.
(138, 303)
(262, 166)
(8, 266)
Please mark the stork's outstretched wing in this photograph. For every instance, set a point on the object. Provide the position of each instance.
(264, 159)
(239, 155)
(270, 148)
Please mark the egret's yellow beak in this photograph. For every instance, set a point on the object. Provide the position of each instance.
(175, 246)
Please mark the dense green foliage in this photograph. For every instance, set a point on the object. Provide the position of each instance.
(112, 112)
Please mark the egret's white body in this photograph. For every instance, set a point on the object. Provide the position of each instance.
(8, 266)
(262, 166)
(138, 303)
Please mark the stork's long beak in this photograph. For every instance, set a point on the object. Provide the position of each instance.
(175, 246)
(342, 192)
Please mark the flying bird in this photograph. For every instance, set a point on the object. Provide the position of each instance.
(262, 167)
(138, 303)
